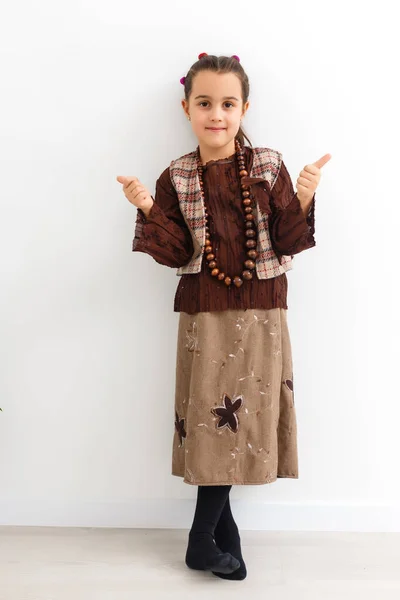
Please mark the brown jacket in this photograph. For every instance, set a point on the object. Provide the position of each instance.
(165, 236)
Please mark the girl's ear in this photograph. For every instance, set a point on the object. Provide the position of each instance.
(245, 108)
(185, 107)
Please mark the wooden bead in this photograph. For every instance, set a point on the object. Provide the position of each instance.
(249, 217)
(208, 249)
(246, 202)
(237, 281)
(252, 254)
(212, 264)
(247, 275)
(248, 209)
(214, 272)
(210, 256)
(221, 276)
(228, 280)
(245, 194)
(249, 264)
(251, 243)
(250, 233)
(243, 173)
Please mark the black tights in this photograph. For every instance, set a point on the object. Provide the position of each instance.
(202, 552)
(214, 540)
(211, 501)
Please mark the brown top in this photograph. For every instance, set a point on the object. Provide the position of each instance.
(166, 237)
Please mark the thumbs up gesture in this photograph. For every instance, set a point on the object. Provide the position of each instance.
(136, 193)
(308, 180)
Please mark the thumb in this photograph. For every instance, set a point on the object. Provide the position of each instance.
(322, 161)
(121, 179)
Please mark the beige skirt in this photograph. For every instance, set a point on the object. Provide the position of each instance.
(235, 421)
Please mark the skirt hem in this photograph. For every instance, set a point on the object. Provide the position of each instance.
(190, 482)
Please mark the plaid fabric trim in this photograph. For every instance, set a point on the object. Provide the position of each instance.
(184, 177)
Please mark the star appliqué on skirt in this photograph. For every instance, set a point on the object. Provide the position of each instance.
(227, 413)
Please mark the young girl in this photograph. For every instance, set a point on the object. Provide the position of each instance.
(227, 218)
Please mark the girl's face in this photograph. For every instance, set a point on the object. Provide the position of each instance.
(215, 102)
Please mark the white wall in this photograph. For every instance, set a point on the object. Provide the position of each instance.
(90, 90)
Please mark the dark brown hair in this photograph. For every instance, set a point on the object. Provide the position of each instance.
(220, 64)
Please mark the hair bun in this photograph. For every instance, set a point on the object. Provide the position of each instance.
(202, 54)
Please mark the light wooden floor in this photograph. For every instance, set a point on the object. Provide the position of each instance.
(49, 563)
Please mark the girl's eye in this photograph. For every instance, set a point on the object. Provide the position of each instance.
(205, 102)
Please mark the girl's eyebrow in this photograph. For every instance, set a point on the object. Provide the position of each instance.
(224, 98)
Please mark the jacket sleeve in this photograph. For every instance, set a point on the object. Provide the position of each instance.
(163, 234)
(291, 231)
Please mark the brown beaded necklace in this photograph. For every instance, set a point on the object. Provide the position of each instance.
(249, 225)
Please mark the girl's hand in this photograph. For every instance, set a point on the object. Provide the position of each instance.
(308, 181)
(136, 193)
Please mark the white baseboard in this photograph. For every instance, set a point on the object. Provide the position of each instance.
(178, 514)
